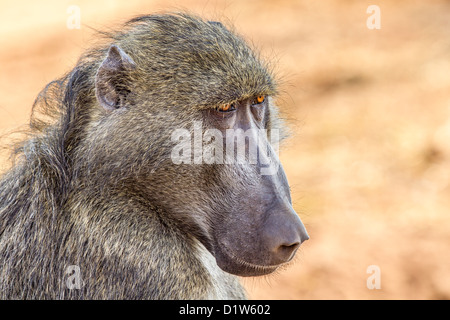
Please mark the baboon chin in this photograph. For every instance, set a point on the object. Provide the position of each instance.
(152, 172)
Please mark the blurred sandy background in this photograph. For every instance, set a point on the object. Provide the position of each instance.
(369, 162)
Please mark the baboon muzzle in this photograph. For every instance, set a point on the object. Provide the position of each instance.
(266, 231)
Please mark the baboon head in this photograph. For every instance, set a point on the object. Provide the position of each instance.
(186, 121)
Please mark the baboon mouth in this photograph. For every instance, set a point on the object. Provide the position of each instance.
(238, 266)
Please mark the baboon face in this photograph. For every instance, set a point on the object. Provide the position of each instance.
(255, 229)
(191, 116)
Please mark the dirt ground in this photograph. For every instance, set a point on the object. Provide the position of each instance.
(369, 156)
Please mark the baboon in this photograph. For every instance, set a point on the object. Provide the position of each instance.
(94, 193)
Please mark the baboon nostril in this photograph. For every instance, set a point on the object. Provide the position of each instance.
(285, 252)
(290, 248)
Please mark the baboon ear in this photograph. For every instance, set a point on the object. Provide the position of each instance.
(110, 86)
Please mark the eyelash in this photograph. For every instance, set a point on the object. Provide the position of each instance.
(228, 107)
(259, 100)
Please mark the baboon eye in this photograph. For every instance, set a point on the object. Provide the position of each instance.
(259, 100)
(227, 107)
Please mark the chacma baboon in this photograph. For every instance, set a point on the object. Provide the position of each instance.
(96, 208)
